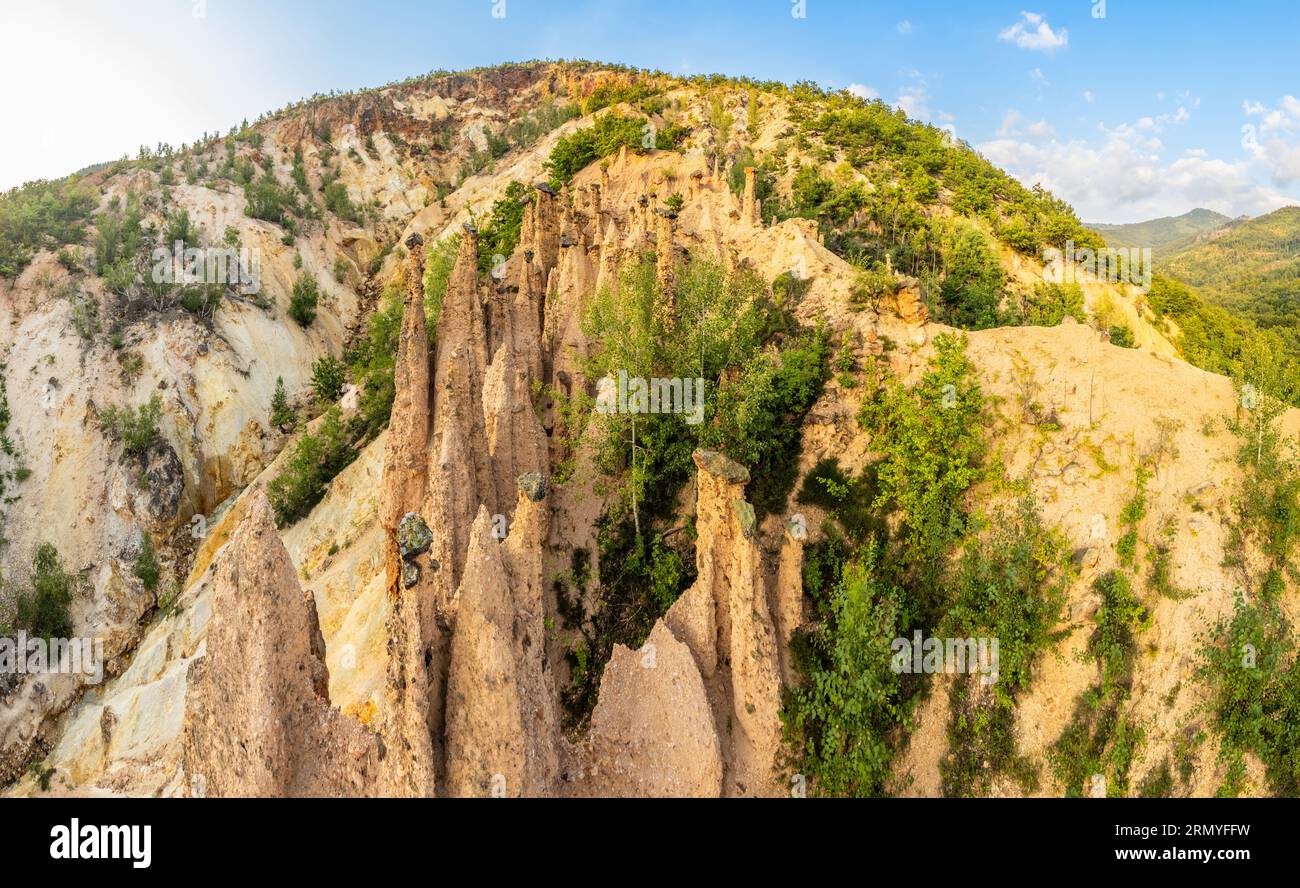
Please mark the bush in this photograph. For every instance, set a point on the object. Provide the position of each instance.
(972, 288)
(305, 297)
(269, 200)
(930, 438)
(1114, 642)
(1051, 303)
(1121, 335)
(137, 428)
(147, 569)
(1009, 584)
(118, 238)
(41, 215)
(316, 459)
(282, 415)
(758, 414)
(1254, 698)
(43, 611)
(847, 499)
(577, 150)
(328, 376)
(338, 202)
(839, 720)
(500, 235)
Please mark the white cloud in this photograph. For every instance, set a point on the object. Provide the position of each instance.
(1274, 145)
(1039, 77)
(1033, 32)
(1040, 130)
(914, 98)
(862, 91)
(1121, 176)
(914, 103)
(1088, 96)
(1284, 118)
(904, 27)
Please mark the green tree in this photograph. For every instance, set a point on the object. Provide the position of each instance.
(282, 415)
(972, 287)
(303, 301)
(328, 376)
(839, 719)
(147, 569)
(315, 460)
(43, 610)
(136, 427)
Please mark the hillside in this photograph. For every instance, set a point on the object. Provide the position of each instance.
(1163, 235)
(391, 521)
(1253, 266)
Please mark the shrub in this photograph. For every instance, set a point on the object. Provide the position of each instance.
(338, 202)
(282, 415)
(758, 414)
(1009, 584)
(69, 259)
(577, 150)
(500, 235)
(147, 569)
(1121, 335)
(43, 610)
(1051, 303)
(972, 288)
(303, 301)
(41, 215)
(850, 500)
(932, 446)
(1254, 697)
(136, 427)
(269, 200)
(328, 376)
(839, 720)
(316, 459)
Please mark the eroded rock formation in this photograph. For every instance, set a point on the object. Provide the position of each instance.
(258, 721)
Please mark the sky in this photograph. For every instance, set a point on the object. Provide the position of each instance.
(1128, 109)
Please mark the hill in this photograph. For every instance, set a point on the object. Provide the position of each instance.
(1163, 234)
(1252, 267)
(592, 431)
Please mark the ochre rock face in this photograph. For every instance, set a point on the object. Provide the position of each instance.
(463, 660)
(256, 721)
(652, 733)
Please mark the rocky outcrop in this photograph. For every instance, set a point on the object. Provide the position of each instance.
(724, 619)
(149, 487)
(410, 703)
(652, 733)
(787, 593)
(485, 732)
(256, 720)
(502, 724)
(750, 211)
(459, 478)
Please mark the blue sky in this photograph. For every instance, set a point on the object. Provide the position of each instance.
(1131, 114)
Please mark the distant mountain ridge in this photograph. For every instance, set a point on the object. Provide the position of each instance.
(1163, 234)
(1254, 264)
